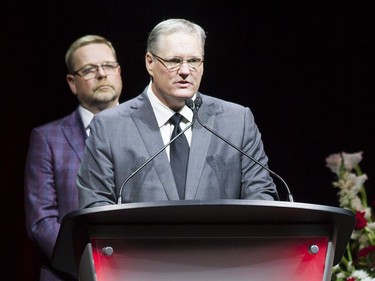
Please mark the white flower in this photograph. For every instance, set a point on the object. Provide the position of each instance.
(371, 226)
(351, 159)
(363, 240)
(356, 204)
(340, 275)
(352, 183)
(368, 214)
(333, 162)
(352, 195)
(362, 275)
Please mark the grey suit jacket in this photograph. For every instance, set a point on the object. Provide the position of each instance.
(124, 137)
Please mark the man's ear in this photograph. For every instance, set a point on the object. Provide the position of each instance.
(149, 61)
(72, 83)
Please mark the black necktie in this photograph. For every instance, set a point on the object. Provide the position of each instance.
(179, 155)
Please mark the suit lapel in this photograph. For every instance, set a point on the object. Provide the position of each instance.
(198, 150)
(148, 128)
(75, 133)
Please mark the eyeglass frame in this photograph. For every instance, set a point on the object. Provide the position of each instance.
(97, 69)
(177, 67)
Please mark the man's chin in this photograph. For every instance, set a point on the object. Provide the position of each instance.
(185, 94)
(105, 96)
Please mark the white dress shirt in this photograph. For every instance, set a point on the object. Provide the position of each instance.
(164, 113)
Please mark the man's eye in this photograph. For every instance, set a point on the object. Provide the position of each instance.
(194, 60)
(109, 66)
(88, 70)
(174, 61)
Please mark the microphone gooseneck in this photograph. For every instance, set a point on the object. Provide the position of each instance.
(119, 196)
(196, 105)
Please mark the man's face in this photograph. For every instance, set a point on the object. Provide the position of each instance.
(104, 89)
(172, 85)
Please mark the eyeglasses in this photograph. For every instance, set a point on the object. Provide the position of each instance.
(91, 71)
(175, 63)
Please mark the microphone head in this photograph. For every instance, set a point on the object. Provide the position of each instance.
(198, 102)
(190, 103)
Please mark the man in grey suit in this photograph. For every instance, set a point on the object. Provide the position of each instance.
(125, 137)
(56, 148)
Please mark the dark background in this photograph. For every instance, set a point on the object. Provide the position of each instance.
(305, 68)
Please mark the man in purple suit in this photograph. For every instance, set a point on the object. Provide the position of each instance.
(56, 148)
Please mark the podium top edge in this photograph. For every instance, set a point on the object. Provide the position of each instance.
(208, 203)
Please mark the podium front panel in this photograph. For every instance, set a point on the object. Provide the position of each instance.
(209, 258)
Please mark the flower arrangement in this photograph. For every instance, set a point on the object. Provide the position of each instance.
(358, 262)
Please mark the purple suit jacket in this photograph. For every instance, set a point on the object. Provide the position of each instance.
(52, 163)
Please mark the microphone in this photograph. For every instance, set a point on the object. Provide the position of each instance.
(195, 105)
(119, 199)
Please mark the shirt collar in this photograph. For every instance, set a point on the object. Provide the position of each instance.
(164, 113)
(86, 116)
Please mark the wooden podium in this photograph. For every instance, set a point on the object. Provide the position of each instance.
(221, 240)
